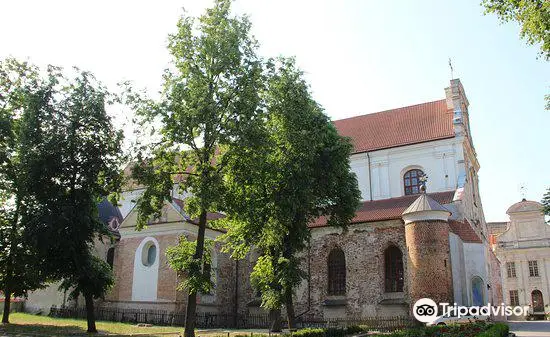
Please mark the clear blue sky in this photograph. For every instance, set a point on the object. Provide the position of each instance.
(359, 57)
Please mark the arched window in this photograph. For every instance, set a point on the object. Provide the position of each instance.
(336, 272)
(111, 256)
(537, 301)
(412, 182)
(393, 260)
(478, 294)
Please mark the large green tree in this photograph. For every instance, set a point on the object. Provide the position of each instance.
(534, 18)
(532, 15)
(83, 166)
(23, 107)
(209, 101)
(297, 171)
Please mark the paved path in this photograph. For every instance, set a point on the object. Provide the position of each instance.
(530, 328)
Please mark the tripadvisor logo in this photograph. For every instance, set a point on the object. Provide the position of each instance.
(426, 310)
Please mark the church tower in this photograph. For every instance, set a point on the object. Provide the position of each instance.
(429, 260)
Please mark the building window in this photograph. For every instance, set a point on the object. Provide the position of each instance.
(336, 272)
(149, 254)
(478, 296)
(393, 261)
(411, 181)
(511, 269)
(533, 269)
(514, 298)
(537, 301)
(111, 257)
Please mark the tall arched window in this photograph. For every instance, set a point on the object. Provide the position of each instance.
(412, 182)
(393, 261)
(478, 293)
(111, 256)
(336, 272)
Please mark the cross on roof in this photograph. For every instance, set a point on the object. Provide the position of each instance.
(423, 179)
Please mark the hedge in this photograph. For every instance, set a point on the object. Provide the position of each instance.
(479, 329)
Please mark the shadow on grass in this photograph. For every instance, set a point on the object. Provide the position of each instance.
(50, 330)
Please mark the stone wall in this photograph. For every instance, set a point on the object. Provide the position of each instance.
(363, 246)
(429, 273)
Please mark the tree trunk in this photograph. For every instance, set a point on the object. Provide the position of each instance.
(291, 315)
(275, 318)
(7, 303)
(191, 315)
(90, 314)
(289, 304)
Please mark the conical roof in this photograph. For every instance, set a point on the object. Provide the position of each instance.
(424, 203)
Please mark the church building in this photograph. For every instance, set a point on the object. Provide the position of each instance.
(403, 243)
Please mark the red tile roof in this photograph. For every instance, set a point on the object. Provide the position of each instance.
(388, 209)
(403, 126)
(465, 231)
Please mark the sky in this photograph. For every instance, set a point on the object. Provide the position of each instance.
(359, 57)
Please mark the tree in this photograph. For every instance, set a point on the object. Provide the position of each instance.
(546, 203)
(23, 107)
(532, 15)
(534, 19)
(83, 165)
(208, 102)
(298, 171)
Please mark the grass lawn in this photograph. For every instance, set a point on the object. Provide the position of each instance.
(21, 323)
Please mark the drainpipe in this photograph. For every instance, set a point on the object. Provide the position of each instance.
(370, 181)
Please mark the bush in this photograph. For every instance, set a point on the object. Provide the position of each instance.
(309, 332)
(330, 332)
(496, 330)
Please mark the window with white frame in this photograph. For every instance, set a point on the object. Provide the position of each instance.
(511, 269)
(533, 269)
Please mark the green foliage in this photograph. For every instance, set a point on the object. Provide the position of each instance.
(94, 278)
(295, 170)
(546, 203)
(532, 15)
(208, 105)
(330, 332)
(59, 158)
(496, 330)
(23, 98)
(181, 259)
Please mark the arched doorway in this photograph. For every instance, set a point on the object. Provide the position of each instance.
(478, 296)
(537, 301)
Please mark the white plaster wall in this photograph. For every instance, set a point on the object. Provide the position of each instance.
(438, 159)
(458, 269)
(144, 285)
(475, 265)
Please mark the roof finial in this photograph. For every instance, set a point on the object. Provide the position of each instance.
(451, 66)
(423, 179)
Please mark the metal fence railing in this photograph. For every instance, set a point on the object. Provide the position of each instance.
(220, 320)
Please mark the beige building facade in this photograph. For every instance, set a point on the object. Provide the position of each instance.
(523, 247)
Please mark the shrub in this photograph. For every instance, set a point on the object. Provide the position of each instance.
(496, 330)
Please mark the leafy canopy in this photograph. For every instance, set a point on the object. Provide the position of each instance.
(297, 171)
(532, 15)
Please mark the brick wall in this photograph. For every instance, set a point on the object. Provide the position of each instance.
(429, 272)
(363, 246)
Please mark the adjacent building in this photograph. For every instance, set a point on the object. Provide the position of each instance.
(523, 247)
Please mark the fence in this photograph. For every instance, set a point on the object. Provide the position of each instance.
(219, 320)
(377, 323)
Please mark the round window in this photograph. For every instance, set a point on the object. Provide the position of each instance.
(149, 254)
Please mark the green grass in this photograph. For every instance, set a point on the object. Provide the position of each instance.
(21, 323)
